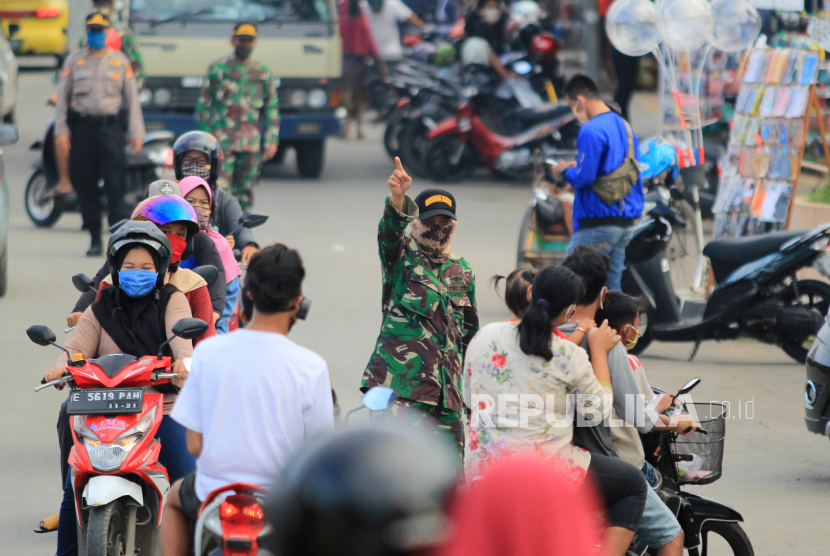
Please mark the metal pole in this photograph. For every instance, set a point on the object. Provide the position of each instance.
(593, 39)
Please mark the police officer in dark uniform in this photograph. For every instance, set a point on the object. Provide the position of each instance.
(98, 104)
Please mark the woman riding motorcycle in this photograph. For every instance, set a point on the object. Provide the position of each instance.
(135, 317)
(176, 218)
(197, 153)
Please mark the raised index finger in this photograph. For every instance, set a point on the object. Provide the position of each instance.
(398, 164)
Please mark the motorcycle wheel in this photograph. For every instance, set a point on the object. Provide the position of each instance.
(43, 212)
(412, 140)
(392, 138)
(730, 534)
(811, 294)
(107, 530)
(684, 252)
(646, 335)
(436, 156)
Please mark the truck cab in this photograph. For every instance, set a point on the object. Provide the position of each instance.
(298, 40)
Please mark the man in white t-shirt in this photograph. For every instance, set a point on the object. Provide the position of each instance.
(385, 17)
(252, 397)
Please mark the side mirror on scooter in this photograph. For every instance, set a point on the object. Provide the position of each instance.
(83, 283)
(208, 273)
(43, 336)
(676, 194)
(376, 398)
(253, 219)
(188, 329)
(688, 387)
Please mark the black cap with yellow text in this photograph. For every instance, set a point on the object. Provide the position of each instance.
(96, 21)
(434, 202)
(245, 30)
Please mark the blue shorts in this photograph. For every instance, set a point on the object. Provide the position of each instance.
(658, 525)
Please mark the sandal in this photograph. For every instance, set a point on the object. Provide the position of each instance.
(49, 524)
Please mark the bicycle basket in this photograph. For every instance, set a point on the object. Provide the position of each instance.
(698, 456)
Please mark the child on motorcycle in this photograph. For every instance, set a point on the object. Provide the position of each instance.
(252, 398)
(196, 191)
(198, 153)
(126, 319)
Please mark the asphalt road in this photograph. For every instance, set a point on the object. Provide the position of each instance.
(775, 472)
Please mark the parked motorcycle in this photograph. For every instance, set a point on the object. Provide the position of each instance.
(817, 387)
(697, 459)
(485, 132)
(154, 161)
(758, 293)
(232, 521)
(120, 487)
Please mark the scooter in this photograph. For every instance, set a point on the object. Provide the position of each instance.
(817, 387)
(758, 292)
(154, 161)
(696, 459)
(482, 133)
(120, 487)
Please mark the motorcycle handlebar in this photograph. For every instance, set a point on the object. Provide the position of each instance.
(53, 383)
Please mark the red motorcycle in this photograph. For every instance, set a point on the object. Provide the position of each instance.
(120, 487)
(231, 522)
(502, 139)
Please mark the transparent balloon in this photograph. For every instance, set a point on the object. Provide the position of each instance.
(737, 25)
(686, 24)
(633, 26)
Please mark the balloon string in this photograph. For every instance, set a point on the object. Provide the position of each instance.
(697, 88)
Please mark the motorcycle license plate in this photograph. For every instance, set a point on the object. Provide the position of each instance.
(109, 401)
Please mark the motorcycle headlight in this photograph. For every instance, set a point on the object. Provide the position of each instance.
(317, 98)
(145, 97)
(110, 456)
(298, 98)
(162, 96)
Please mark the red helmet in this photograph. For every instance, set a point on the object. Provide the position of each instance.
(545, 46)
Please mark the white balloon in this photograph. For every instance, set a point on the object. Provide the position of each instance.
(737, 25)
(686, 24)
(633, 26)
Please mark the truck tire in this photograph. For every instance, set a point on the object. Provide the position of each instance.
(310, 158)
(107, 530)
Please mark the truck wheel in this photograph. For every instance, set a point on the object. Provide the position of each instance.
(4, 269)
(310, 158)
(41, 209)
(107, 530)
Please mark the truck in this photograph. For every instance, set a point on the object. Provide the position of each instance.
(298, 40)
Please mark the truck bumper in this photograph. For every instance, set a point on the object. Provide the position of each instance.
(300, 126)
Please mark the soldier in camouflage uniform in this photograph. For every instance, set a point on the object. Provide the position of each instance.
(429, 309)
(238, 95)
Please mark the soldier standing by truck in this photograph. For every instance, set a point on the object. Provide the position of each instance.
(237, 101)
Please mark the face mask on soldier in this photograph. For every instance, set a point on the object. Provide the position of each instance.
(243, 51)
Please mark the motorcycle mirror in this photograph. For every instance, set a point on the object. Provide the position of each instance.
(688, 387)
(379, 398)
(208, 272)
(8, 135)
(41, 335)
(83, 283)
(676, 194)
(253, 219)
(305, 305)
(117, 225)
(190, 328)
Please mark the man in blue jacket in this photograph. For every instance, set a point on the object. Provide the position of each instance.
(603, 146)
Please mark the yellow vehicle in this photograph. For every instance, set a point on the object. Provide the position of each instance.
(36, 26)
(299, 41)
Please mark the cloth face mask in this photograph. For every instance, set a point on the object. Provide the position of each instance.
(137, 282)
(96, 39)
(434, 239)
(196, 170)
(177, 245)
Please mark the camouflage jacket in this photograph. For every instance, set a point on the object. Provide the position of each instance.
(429, 317)
(235, 100)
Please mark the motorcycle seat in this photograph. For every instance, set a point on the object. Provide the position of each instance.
(543, 112)
(747, 249)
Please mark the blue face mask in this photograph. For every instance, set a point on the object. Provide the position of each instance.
(136, 282)
(96, 39)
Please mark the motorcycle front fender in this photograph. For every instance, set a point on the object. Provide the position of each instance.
(700, 509)
(444, 128)
(103, 489)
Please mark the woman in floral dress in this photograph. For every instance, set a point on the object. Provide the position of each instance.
(526, 385)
